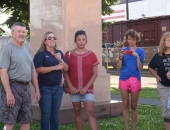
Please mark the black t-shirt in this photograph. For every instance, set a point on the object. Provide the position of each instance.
(162, 64)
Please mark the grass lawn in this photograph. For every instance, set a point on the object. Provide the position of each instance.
(149, 118)
(144, 93)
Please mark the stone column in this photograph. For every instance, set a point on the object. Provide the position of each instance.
(64, 18)
(86, 15)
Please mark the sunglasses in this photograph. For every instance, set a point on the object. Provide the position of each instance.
(50, 38)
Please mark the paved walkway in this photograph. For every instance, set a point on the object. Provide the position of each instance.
(146, 82)
(144, 101)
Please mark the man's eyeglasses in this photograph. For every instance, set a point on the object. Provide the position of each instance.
(167, 40)
(50, 38)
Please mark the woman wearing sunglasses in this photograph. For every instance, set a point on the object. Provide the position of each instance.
(49, 63)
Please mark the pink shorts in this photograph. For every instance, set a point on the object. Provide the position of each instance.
(132, 84)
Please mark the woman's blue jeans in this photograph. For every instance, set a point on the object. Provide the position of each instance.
(50, 106)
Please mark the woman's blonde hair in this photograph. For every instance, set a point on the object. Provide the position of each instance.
(42, 46)
(162, 43)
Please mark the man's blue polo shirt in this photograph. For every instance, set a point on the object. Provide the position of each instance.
(46, 59)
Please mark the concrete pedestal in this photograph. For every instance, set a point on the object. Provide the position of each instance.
(102, 110)
(64, 18)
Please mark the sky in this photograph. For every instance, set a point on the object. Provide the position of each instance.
(3, 18)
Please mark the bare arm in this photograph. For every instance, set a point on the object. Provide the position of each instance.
(71, 87)
(61, 66)
(34, 82)
(152, 71)
(58, 56)
(91, 81)
(44, 70)
(6, 85)
(139, 64)
(119, 63)
(65, 66)
(168, 75)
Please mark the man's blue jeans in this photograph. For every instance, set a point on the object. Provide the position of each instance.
(50, 106)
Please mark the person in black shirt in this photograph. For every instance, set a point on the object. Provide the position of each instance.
(161, 62)
(50, 63)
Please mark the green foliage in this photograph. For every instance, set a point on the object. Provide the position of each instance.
(106, 10)
(149, 118)
(18, 10)
(104, 25)
(1, 31)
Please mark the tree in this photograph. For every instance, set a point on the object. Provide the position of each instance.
(1, 30)
(106, 10)
(19, 11)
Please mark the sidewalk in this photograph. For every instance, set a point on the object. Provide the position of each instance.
(146, 82)
(143, 101)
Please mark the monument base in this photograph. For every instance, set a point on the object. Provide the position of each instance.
(102, 110)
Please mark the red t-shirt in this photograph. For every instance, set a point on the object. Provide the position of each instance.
(81, 69)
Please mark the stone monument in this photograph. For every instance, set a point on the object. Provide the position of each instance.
(64, 18)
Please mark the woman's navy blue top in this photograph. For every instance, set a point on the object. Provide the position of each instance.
(46, 59)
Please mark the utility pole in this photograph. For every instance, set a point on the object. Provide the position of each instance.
(127, 10)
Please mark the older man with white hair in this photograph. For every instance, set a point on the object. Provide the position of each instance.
(17, 70)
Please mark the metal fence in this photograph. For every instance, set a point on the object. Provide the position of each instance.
(7, 39)
(110, 56)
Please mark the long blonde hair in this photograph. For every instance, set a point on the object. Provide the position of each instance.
(162, 43)
(42, 46)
